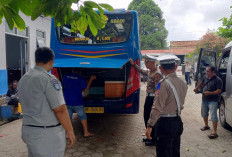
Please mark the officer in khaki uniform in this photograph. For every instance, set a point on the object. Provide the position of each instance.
(153, 79)
(45, 117)
(167, 108)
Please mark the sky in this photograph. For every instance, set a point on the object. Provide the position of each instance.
(186, 19)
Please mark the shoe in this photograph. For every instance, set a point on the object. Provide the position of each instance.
(150, 143)
(213, 136)
(145, 140)
(205, 128)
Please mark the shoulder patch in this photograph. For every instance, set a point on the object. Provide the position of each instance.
(158, 86)
(56, 84)
(50, 75)
(157, 89)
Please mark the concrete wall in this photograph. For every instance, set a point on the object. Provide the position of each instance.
(3, 72)
(42, 24)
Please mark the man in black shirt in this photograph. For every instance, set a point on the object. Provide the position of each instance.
(11, 96)
(212, 87)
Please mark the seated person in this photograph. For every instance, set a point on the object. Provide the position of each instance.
(11, 98)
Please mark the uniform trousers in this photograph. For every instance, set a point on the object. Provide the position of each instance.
(44, 142)
(147, 111)
(168, 132)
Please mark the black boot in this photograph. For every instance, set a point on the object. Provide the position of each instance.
(145, 140)
(150, 143)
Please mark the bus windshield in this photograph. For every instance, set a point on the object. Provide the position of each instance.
(117, 30)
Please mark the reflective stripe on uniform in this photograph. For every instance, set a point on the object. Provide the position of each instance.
(175, 94)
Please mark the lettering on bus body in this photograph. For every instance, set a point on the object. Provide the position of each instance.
(117, 21)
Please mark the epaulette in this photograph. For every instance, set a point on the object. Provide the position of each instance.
(50, 75)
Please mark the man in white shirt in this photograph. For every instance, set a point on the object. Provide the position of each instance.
(187, 73)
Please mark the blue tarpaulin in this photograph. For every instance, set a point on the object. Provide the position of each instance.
(90, 62)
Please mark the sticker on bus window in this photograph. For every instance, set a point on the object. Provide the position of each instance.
(81, 39)
(117, 21)
(103, 38)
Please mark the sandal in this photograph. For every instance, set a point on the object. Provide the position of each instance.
(213, 136)
(205, 128)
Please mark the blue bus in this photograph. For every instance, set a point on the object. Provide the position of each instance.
(117, 87)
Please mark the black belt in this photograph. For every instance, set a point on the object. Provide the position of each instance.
(169, 115)
(50, 126)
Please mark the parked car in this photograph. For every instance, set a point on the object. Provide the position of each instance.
(179, 67)
(224, 71)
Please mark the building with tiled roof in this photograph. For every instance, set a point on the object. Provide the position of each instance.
(178, 48)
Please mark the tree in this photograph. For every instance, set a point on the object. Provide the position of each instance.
(226, 29)
(61, 10)
(152, 31)
(209, 41)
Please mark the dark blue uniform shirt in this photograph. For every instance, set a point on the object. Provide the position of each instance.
(73, 86)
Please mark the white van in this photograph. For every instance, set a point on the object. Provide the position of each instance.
(224, 71)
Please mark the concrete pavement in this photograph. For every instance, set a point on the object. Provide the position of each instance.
(121, 135)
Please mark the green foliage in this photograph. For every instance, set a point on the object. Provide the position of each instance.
(26, 6)
(10, 13)
(210, 41)
(12, 18)
(226, 29)
(152, 29)
(61, 10)
(107, 6)
(192, 57)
